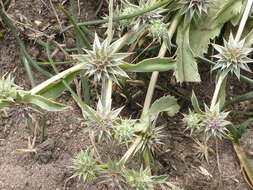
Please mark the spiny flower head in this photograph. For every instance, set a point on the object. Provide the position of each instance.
(192, 121)
(233, 56)
(124, 131)
(103, 61)
(85, 165)
(215, 123)
(159, 31)
(108, 120)
(112, 176)
(191, 9)
(152, 136)
(8, 90)
(141, 180)
(129, 8)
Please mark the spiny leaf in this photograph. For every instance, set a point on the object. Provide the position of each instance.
(150, 65)
(195, 103)
(165, 104)
(43, 103)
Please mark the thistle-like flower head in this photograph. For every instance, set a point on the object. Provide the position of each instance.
(152, 136)
(8, 90)
(142, 180)
(159, 31)
(109, 120)
(191, 9)
(124, 131)
(129, 8)
(85, 165)
(112, 176)
(192, 121)
(233, 56)
(215, 123)
(103, 61)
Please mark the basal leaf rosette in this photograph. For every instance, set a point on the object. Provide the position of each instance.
(103, 61)
(233, 56)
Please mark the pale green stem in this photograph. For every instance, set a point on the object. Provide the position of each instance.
(244, 20)
(155, 74)
(149, 95)
(217, 90)
(131, 150)
(106, 94)
(110, 28)
(56, 78)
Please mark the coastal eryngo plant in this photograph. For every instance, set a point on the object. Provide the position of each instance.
(215, 123)
(159, 31)
(85, 165)
(211, 123)
(142, 179)
(192, 121)
(108, 119)
(21, 103)
(112, 176)
(124, 131)
(191, 9)
(103, 61)
(233, 56)
(8, 90)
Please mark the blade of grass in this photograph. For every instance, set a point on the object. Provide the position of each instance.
(84, 81)
(77, 28)
(21, 44)
(28, 70)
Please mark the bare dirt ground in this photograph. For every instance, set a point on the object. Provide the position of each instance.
(49, 169)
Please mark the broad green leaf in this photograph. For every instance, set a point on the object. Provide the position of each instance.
(187, 69)
(165, 104)
(241, 7)
(210, 26)
(56, 89)
(43, 103)
(150, 65)
(227, 10)
(195, 103)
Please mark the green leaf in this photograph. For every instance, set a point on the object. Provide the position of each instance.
(195, 103)
(43, 103)
(4, 104)
(187, 69)
(54, 90)
(210, 26)
(150, 65)
(165, 104)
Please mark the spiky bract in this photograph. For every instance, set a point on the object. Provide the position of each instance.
(233, 56)
(103, 61)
